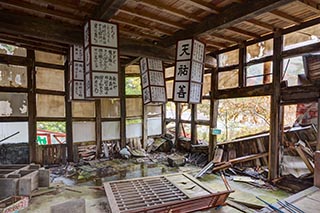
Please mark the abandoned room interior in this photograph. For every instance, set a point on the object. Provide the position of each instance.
(159, 106)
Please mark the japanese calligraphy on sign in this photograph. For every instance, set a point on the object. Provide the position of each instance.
(103, 34)
(181, 91)
(76, 67)
(152, 81)
(195, 92)
(101, 59)
(105, 84)
(189, 67)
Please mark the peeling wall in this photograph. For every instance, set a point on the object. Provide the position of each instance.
(17, 153)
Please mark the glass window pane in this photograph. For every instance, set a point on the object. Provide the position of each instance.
(110, 130)
(229, 58)
(50, 58)
(260, 50)
(203, 110)
(203, 133)
(50, 79)
(110, 108)
(51, 133)
(154, 126)
(292, 68)
(170, 110)
(83, 109)
(13, 104)
(12, 50)
(84, 131)
(15, 132)
(133, 128)
(153, 110)
(259, 74)
(206, 84)
(132, 69)
(185, 111)
(228, 79)
(13, 76)
(134, 107)
(185, 130)
(50, 106)
(133, 86)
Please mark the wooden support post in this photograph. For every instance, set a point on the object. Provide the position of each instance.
(193, 123)
(144, 125)
(68, 106)
(122, 88)
(317, 169)
(178, 118)
(318, 128)
(98, 128)
(275, 136)
(214, 103)
(242, 63)
(163, 118)
(32, 110)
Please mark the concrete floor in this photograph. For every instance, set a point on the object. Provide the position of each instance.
(96, 200)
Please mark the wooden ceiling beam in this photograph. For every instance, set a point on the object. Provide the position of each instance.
(21, 5)
(49, 30)
(225, 38)
(203, 5)
(243, 32)
(232, 15)
(107, 9)
(285, 17)
(151, 17)
(313, 6)
(260, 24)
(139, 25)
(122, 30)
(168, 9)
(216, 44)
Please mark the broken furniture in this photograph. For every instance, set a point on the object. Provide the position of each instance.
(22, 179)
(168, 193)
(13, 204)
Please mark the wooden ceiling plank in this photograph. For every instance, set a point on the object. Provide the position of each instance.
(243, 32)
(168, 9)
(139, 34)
(151, 17)
(139, 25)
(285, 17)
(107, 9)
(203, 5)
(226, 38)
(313, 6)
(260, 24)
(216, 44)
(50, 30)
(230, 16)
(38, 9)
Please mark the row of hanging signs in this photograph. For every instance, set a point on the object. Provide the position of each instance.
(94, 68)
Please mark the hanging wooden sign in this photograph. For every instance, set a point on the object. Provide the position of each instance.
(76, 69)
(101, 59)
(152, 81)
(188, 78)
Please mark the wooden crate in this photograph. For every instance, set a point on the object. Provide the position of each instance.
(168, 193)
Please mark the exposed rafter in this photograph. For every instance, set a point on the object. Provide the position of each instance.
(243, 32)
(227, 18)
(260, 24)
(312, 5)
(151, 17)
(158, 5)
(225, 38)
(203, 5)
(139, 25)
(286, 17)
(107, 9)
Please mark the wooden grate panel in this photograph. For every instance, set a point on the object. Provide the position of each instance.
(145, 192)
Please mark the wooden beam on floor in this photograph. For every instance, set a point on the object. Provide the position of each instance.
(229, 17)
(107, 8)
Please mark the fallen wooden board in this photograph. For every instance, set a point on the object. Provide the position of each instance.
(168, 193)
